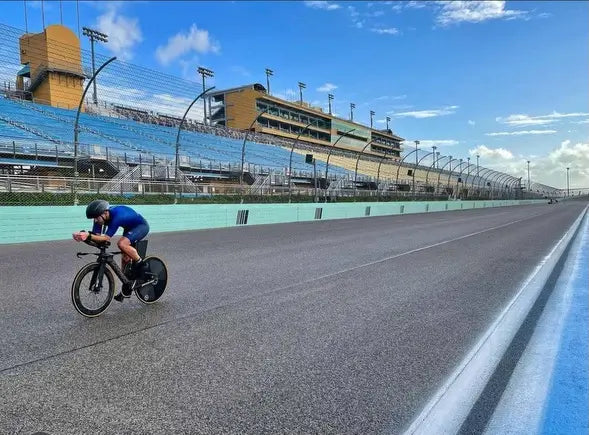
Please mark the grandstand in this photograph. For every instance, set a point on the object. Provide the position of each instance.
(127, 138)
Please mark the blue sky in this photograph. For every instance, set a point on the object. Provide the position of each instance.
(506, 80)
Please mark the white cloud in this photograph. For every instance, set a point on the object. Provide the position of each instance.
(123, 32)
(585, 121)
(415, 4)
(448, 110)
(387, 31)
(40, 5)
(521, 133)
(523, 120)
(325, 5)
(475, 12)
(196, 40)
(439, 142)
(327, 87)
(288, 95)
(549, 169)
(471, 122)
(491, 155)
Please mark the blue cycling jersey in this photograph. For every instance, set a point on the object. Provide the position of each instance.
(120, 216)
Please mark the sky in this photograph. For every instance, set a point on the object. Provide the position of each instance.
(506, 80)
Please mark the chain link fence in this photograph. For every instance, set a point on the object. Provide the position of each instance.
(127, 147)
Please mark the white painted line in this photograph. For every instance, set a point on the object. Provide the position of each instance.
(412, 251)
(451, 404)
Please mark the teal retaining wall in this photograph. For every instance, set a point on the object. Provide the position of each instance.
(31, 224)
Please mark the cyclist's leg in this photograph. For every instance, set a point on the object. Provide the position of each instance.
(129, 252)
(131, 237)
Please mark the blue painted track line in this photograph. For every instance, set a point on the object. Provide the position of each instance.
(566, 410)
(548, 390)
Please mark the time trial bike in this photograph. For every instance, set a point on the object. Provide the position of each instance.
(93, 288)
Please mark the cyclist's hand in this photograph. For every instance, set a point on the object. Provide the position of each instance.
(80, 236)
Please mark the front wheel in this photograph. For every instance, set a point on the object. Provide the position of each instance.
(154, 281)
(90, 295)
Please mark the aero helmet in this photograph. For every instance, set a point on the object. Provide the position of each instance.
(96, 208)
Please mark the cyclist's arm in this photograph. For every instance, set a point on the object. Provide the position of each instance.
(100, 238)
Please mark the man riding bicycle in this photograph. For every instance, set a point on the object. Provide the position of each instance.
(135, 228)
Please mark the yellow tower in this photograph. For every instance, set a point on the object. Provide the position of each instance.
(52, 63)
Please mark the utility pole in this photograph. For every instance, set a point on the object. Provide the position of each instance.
(98, 36)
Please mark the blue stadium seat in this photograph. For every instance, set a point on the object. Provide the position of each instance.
(131, 138)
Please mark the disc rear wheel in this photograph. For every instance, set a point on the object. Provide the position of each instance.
(153, 283)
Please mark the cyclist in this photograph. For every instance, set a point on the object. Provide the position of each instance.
(135, 228)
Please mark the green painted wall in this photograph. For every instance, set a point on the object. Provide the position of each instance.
(32, 224)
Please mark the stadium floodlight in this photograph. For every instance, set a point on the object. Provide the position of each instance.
(372, 113)
(528, 175)
(329, 100)
(94, 35)
(204, 72)
(388, 120)
(301, 87)
(269, 73)
(352, 107)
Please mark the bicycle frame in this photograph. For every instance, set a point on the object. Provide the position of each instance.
(105, 258)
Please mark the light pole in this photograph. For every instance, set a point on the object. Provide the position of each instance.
(301, 87)
(352, 107)
(98, 36)
(477, 165)
(331, 147)
(269, 73)
(180, 129)
(290, 161)
(371, 115)
(204, 72)
(388, 118)
(76, 130)
(329, 100)
(568, 191)
(528, 175)
(434, 148)
(416, 143)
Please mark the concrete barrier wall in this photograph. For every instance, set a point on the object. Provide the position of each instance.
(32, 224)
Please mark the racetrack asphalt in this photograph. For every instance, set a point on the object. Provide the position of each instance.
(344, 326)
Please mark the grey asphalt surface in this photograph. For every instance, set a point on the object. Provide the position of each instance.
(344, 326)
